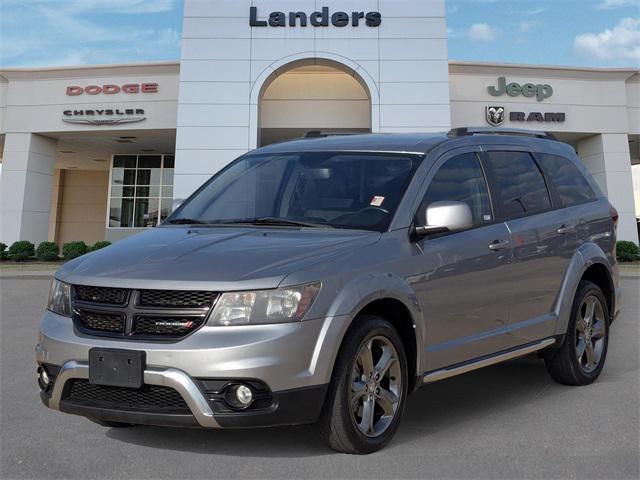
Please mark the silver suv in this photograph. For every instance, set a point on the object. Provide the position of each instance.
(324, 279)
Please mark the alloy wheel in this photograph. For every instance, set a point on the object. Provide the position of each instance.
(590, 333)
(376, 386)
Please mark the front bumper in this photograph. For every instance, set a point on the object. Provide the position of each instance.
(287, 408)
(286, 358)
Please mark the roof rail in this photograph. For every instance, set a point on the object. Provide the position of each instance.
(465, 131)
(321, 134)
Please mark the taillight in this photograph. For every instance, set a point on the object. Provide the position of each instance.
(614, 216)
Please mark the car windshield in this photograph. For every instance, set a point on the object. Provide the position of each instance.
(312, 189)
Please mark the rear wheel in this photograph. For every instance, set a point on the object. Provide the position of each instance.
(581, 358)
(368, 390)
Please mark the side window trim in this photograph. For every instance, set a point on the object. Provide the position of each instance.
(493, 182)
(554, 196)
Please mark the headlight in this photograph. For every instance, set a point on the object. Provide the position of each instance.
(264, 306)
(60, 298)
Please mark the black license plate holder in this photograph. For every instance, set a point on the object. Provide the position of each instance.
(116, 367)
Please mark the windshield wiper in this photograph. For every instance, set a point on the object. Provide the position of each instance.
(286, 221)
(273, 221)
(185, 221)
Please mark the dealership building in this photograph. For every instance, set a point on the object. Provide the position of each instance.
(100, 152)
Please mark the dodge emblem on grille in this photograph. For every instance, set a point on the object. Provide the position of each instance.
(174, 324)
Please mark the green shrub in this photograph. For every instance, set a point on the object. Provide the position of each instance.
(74, 249)
(627, 251)
(47, 251)
(99, 245)
(22, 250)
(3, 251)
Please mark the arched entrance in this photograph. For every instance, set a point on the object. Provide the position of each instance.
(312, 94)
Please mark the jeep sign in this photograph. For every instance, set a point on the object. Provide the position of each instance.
(514, 89)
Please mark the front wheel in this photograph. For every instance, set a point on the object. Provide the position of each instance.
(368, 390)
(581, 358)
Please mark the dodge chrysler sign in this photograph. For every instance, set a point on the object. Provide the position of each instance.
(104, 116)
(111, 89)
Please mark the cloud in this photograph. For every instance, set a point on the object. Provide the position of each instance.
(535, 11)
(619, 45)
(481, 32)
(77, 32)
(611, 4)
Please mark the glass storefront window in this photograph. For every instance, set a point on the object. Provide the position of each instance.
(141, 191)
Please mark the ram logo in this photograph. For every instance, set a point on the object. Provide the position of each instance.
(495, 115)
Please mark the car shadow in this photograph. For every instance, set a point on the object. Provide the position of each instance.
(470, 397)
(434, 408)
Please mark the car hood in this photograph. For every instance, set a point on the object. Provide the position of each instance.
(219, 258)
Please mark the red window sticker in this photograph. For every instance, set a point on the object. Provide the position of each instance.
(377, 201)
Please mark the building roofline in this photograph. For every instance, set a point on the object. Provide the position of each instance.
(90, 67)
(631, 70)
(168, 66)
(560, 71)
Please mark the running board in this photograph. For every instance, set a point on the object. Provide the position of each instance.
(486, 361)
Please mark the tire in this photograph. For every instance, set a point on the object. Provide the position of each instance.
(567, 365)
(109, 424)
(342, 427)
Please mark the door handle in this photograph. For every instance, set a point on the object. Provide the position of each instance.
(499, 245)
(565, 229)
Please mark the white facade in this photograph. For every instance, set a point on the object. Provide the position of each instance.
(227, 64)
(240, 86)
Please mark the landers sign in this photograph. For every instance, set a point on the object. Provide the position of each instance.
(317, 19)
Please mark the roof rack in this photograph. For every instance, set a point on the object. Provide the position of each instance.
(321, 134)
(465, 131)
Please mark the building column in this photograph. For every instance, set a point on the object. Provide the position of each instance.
(26, 186)
(608, 159)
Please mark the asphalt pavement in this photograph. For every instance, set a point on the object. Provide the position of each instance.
(505, 421)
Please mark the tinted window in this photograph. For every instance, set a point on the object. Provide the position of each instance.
(521, 186)
(460, 179)
(571, 185)
(343, 190)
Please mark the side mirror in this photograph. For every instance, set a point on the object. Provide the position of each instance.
(443, 217)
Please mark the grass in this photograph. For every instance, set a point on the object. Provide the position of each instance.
(29, 266)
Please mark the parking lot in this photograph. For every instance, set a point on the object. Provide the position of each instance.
(506, 421)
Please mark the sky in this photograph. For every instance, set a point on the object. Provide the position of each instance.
(560, 32)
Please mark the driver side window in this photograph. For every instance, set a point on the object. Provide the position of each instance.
(460, 179)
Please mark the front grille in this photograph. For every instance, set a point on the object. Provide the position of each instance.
(149, 398)
(102, 322)
(116, 296)
(173, 326)
(131, 314)
(175, 298)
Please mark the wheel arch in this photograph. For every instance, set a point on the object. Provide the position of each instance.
(387, 296)
(588, 263)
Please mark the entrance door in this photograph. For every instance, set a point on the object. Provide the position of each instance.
(313, 98)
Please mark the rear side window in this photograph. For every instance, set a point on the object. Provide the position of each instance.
(520, 183)
(460, 179)
(570, 184)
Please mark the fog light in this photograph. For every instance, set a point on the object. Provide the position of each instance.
(239, 396)
(43, 378)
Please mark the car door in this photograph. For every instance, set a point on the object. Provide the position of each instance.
(543, 239)
(462, 275)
